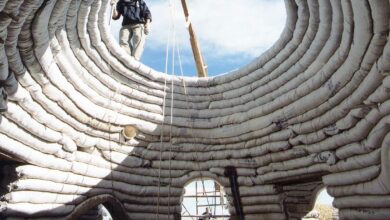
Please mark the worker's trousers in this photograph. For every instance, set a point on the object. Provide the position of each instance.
(132, 39)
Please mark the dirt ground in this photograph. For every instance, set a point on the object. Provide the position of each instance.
(326, 212)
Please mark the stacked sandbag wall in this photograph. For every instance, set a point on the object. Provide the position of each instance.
(310, 112)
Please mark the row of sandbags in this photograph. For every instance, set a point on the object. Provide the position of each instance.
(202, 122)
(55, 187)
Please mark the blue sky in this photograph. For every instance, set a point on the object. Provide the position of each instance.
(324, 198)
(230, 33)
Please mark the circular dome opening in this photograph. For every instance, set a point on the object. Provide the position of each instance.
(230, 33)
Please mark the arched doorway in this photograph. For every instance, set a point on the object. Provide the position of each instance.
(104, 205)
(99, 212)
(323, 208)
(204, 198)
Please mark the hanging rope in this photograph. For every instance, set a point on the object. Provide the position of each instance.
(117, 91)
(192, 126)
(164, 106)
(109, 122)
(174, 50)
(172, 105)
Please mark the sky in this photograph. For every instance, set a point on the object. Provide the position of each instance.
(230, 33)
(324, 198)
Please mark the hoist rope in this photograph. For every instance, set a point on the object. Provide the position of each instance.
(192, 127)
(172, 105)
(109, 118)
(111, 98)
(163, 113)
(171, 41)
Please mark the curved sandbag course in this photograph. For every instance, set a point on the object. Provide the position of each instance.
(82, 123)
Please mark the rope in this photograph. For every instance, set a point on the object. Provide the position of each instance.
(172, 105)
(163, 118)
(172, 30)
(109, 122)
(171, 122)
(117, 91)
(192, 126)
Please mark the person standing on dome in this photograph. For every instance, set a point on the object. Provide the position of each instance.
(135, 25)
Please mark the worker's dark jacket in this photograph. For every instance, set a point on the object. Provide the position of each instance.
(133, 11)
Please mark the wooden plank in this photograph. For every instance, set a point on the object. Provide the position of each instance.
(200, 66)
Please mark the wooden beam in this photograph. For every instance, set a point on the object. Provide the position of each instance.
(200, 66)
(196, 196)
(199, 216)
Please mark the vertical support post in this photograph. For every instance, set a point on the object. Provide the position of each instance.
(231, 173)
(196, 197)
(215, 197)
(200, 66)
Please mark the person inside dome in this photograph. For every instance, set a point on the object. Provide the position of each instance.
(136, 25)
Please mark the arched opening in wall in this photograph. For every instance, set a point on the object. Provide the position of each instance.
(323, 208)
(99, 212)
(204, 199)
(102, 207)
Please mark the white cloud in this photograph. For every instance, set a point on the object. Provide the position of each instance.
(223, 27)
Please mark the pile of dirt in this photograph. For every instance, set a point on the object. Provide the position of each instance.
(322, 212)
